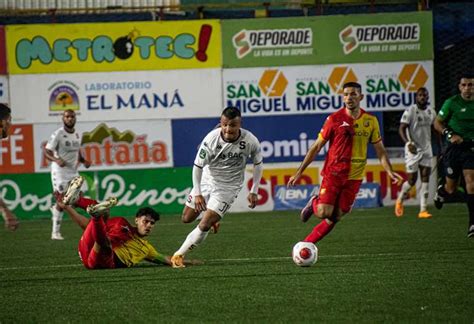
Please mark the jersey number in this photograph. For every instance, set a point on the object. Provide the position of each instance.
(224, 208)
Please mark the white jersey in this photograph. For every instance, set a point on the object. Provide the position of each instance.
(419, 125)
(224, 162)
(65, 146)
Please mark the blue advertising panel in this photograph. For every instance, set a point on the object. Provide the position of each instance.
(283, 138)
(296, 198)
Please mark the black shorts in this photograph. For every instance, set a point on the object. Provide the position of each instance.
(458, 157)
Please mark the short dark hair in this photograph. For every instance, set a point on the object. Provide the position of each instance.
(422, 89)
(148, 211)
(352, 85)
(4, 111)
(466, 75)
(231, 112)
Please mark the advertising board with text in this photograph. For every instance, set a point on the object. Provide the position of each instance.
(123, 46)
(278, 174)
(327, 39)
(282, 138)
(4, 92)
(17, 151)
(30, 196)
(318, 89)
(115, 145)
(117, 95)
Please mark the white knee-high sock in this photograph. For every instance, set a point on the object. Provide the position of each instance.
(404, 191)
(192, 240)
(57, 219)
(423, 196)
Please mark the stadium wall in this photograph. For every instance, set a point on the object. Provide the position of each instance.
(147, 92)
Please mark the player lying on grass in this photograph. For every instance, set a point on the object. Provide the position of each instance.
(109, 243)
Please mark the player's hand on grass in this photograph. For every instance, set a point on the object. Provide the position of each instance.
(252, 199)
(200, 204)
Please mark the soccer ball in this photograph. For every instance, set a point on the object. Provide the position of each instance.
(305, 254)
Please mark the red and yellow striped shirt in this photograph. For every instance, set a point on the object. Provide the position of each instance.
(348, 141)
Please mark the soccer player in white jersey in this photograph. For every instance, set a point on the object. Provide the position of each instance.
(64, 151)
(218, 177)
(415, 131)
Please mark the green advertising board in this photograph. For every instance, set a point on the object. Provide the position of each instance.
(327, 40)
(165, 189)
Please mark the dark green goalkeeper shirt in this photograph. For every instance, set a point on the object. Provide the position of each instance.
(458, 114)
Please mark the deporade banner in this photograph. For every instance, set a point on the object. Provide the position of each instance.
(327, 39)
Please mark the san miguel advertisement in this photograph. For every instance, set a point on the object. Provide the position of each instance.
(128, 95)
(96, 47)
(318, 89)
(327, 39)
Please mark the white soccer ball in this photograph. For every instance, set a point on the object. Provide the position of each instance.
(305, 254)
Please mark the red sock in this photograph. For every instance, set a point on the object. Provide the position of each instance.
(319, 231)
(84, 202)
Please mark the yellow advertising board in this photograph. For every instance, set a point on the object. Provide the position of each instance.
(101, 47)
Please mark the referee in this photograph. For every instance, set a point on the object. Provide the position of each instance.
(455, 122)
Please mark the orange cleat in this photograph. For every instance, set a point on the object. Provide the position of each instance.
(424, 214)
(399, 208)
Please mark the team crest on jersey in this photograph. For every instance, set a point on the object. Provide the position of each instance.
(202, 154)
(366, 123)
(218, 147)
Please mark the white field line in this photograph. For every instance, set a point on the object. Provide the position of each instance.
(342, 256)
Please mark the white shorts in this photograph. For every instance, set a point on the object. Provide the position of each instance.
(414, 161)
(60, 181)
(217, 200)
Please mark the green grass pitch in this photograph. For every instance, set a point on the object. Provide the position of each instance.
(373, 267)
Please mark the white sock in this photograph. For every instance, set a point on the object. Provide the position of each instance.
(192, 240)
(423, 196)
(57, 219)
(404, 191)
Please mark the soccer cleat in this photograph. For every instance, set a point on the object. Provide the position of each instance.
(399, 208)
(215, 227)
(73, 191)
(307, 211)
(177, 261)
(439, 199)
(424, 214)
(100, 208)
(470, 232)
(57, 237)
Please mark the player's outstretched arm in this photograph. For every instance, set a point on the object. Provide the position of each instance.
(252, 197)
(166, 260)
(310, 155)
(11, 222)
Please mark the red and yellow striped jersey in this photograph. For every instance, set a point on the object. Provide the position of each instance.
(348, 140)
(128, 246)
